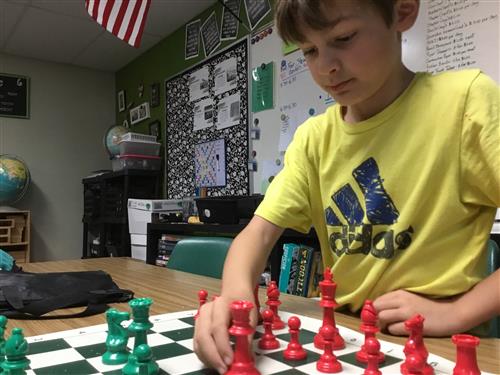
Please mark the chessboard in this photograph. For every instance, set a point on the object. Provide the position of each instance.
(79, 351)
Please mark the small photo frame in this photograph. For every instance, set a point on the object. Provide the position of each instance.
(121, 101)
(139, 113)
(155, 94)
(155, 129)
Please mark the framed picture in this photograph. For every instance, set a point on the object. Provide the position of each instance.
(139, 113)
(121, 101)
(155, 129)
(155, 94)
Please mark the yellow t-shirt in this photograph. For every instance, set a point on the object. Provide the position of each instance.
(403, 200)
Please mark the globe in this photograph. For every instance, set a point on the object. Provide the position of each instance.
(14, 179)
(112, 137)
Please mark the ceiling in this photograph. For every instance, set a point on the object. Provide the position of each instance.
(62, 31)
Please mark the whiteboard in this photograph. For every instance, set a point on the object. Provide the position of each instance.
(447, 35)
(296, 98)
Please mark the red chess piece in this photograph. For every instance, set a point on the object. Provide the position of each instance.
(369, 328)
(268, 341)
(415, 344)
(273, 295)
(466, 355)
(257, 304)
(328, 362)
(294, 351)
(372, 347)
(241, 329)
(328, 303)
(202, 298)
(414, 364)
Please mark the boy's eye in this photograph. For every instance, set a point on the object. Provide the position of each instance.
(309, 51)
(346, 38)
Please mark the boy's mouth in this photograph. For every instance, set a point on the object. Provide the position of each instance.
(340, 86)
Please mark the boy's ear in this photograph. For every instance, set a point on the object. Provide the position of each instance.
(405, 14)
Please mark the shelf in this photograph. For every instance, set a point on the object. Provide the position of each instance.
(18, 230)
(14, 244)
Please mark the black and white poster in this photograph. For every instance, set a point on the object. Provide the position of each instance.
(230, 24)
(256, 11)
(192, 42)
(210, 34)
(14, 96)
(217, 116)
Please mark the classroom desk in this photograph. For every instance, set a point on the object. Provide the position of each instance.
(177, 291)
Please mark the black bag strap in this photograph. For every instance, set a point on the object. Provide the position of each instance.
(96, 303)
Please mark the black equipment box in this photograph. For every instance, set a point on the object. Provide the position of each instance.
(227, 210)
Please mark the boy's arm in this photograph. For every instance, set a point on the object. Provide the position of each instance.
(461, 313)
(245, 261)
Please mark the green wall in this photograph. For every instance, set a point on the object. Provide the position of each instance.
(164, 60)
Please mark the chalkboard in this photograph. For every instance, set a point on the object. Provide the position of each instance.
(14, 96)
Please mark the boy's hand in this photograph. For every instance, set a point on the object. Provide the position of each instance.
(441, 317)
(211, 337)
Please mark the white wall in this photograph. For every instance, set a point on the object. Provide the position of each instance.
(70, 109)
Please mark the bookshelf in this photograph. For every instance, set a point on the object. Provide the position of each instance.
(15, 228)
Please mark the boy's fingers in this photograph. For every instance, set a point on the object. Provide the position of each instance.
(220, 336)
(204, 345)
(397, 329)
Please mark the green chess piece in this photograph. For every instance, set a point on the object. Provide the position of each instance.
(141, 324)
(116, 341)
(16, 348)
(141, 362)
(3, 327)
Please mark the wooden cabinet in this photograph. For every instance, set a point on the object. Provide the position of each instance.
(15, 227)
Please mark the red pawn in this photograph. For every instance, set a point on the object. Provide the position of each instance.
(202, 298)
(273, 295)
(268, 341)
(372, 347)
(328, 362)
(466, 355)
(369, 328)
(241, 329)
(294, 351)
(328, 304)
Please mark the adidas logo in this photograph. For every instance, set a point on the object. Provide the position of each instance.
(351, 235)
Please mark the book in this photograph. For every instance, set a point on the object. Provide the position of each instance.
(286, 262)
(315, 275)
(294, 266)
(304, 265)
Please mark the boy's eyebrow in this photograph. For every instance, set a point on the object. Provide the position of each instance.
(340, 19)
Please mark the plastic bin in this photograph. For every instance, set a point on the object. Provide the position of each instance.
(145, 162)
(139, 148)
(138, 137)
(227, 210)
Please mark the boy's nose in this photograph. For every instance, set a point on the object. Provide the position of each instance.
(328, 63)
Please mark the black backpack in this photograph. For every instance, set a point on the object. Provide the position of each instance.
(25, 295)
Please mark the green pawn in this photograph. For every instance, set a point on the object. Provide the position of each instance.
(141, 323)
(116, 341)
(16, 348)
(141, 362)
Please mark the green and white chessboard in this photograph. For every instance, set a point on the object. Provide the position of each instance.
(79, 351)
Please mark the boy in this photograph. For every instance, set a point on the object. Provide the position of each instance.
(400, 179)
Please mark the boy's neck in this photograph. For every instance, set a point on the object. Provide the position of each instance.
(391, 90)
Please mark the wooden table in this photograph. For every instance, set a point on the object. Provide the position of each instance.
(177, 291)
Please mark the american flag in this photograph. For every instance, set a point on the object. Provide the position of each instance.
(123, 18)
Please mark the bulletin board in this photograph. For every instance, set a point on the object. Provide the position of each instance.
(200, 109)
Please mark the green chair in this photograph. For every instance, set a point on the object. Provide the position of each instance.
(493, 265)
(200, 255)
